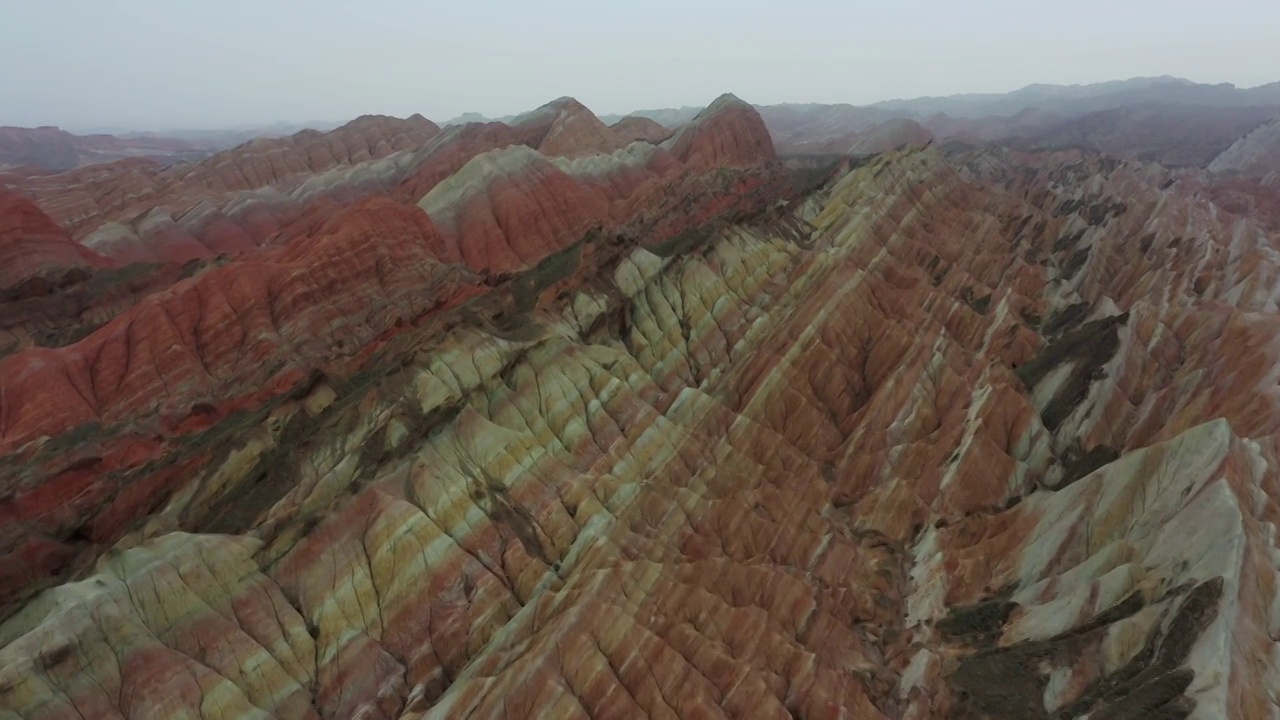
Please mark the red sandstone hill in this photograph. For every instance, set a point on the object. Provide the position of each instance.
(266, 191)
(266, 161)
(728, 133)
(502, 211)
(33, 247)
(562, 127)
(244, 336)
(533, 420)
(229, 203)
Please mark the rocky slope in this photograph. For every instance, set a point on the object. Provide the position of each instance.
(1257, 153)
(669, 432)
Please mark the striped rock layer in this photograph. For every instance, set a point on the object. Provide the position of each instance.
(983, 435)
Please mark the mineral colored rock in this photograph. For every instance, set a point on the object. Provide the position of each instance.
(497, 428)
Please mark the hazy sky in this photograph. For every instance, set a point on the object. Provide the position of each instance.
(154, 64)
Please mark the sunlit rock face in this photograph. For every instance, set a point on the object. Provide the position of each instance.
(631, 434)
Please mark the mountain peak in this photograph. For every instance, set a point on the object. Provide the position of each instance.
(726, 100)
(728, 133)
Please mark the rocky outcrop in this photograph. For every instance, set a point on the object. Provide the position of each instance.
(728, 133)
(849, 440)
(1257, 153)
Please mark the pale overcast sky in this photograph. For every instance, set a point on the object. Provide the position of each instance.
(155, 64)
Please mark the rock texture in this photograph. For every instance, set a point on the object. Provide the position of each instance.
(955, 433)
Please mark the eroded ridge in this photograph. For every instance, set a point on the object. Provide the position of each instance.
(944, 437)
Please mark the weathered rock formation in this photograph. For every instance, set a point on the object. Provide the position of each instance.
(669, 432)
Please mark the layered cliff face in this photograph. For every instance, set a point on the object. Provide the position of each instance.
(670, 432)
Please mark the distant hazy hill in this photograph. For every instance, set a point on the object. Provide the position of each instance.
(1077, 99)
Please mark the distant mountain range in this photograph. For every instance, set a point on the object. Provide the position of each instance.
(1166, 119)
(1048, 98)
(1166, 90)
